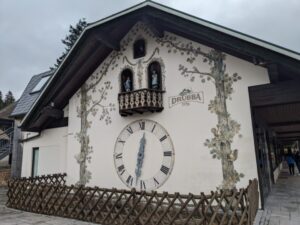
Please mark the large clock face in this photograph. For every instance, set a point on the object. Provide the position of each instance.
(144, 155)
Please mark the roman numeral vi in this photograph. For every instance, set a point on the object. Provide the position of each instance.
(143, 185)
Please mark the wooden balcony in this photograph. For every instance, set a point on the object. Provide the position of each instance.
(140, 101)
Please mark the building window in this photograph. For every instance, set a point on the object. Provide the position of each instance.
(39, 86)
(139, 49)
(154, 76)
(126, 80)
(35, 162)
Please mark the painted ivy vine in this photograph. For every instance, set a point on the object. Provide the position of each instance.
(226, 128)
(91, 106)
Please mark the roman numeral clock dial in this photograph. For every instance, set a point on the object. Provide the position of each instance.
(144, 155)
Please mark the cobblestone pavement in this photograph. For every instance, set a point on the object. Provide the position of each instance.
(283, 204)
(15, 217)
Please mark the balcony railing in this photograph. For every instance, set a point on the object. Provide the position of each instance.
(140, 101)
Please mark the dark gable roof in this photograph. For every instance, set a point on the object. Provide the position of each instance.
(27, 98)
(100, 38)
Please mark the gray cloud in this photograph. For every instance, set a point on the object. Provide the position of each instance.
(31, 30)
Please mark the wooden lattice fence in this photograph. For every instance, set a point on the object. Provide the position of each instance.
(49, 195)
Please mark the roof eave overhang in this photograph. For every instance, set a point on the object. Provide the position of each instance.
(225, 30)
(88, 33)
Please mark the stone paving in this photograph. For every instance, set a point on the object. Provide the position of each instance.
(16, 217)
(283, 204)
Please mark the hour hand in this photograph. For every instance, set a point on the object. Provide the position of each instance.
(140, 158)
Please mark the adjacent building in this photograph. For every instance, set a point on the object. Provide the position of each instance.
(17, 113)
(6, 140)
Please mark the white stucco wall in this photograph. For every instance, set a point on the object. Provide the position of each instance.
(52, 146)
(188, 126)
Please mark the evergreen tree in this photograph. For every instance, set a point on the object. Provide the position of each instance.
(9, 98)
(1, 101)
(70, 39)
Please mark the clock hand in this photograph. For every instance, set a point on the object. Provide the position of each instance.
(140, 158)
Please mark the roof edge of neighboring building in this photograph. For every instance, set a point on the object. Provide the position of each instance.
(17, 114)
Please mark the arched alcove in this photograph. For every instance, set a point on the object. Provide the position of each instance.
(126, 80)
(154, 76)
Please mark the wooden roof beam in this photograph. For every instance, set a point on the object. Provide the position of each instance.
(153, 26)
(283, 124)
(108, 41)
(288, 132)
(52, 112)
(195, 32)
(275, 94)
(273, 72)
(296, 138)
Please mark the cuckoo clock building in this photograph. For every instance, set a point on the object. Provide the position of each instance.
(155, 99)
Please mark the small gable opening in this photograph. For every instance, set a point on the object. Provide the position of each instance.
(154, 76)
(139, 48)
(126, 80)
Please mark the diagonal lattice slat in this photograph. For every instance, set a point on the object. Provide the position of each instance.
(50, 195)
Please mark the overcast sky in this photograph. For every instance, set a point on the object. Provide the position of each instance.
(31, 30)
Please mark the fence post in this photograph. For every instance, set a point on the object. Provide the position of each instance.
(253, 197)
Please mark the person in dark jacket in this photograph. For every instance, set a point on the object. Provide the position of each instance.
(297, 160)
(291, 162)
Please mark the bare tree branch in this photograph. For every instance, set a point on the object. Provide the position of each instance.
(97, 103)
(195, 51)
(196, 71)
(113, 58)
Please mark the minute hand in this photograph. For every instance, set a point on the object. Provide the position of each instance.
(140, 158)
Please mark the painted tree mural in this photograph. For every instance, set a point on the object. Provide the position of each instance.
(226, 128)
(91, 106)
